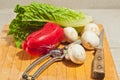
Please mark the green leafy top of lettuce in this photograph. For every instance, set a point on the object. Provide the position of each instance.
(32, 17)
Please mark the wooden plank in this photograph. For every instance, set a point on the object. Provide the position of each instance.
(14, 61)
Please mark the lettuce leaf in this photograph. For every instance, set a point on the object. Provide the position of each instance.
(32, 17)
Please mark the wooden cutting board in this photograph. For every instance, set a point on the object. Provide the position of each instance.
(14, 61)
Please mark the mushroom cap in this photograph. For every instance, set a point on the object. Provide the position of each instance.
(70, 34)
(89, 40)
(76, 53)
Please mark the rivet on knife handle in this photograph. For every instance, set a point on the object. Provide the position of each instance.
(98, 68)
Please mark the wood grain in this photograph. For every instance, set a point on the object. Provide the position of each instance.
(14, 61)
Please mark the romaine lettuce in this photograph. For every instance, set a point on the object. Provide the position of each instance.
(32, 17)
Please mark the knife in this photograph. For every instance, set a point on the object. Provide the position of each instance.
(98, 66)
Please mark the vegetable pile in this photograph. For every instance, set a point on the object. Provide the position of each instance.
(32, 17)
(39, 28)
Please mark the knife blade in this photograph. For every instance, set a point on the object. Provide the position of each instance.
(98, 66)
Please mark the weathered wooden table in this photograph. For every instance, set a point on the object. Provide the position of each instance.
(14, 61)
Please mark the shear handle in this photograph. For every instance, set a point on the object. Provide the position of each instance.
(53, 53)
(39, 60)
(44, 66)
(35, 63)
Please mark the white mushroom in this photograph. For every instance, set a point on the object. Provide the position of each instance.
(89, 40)
(70, 34)
(92, 27)
(76, 53)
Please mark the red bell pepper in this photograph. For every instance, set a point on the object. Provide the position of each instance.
(43, 40)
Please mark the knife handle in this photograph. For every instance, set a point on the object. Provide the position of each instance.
(98, 71)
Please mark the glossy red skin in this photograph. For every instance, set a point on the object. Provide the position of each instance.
(43, 40)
